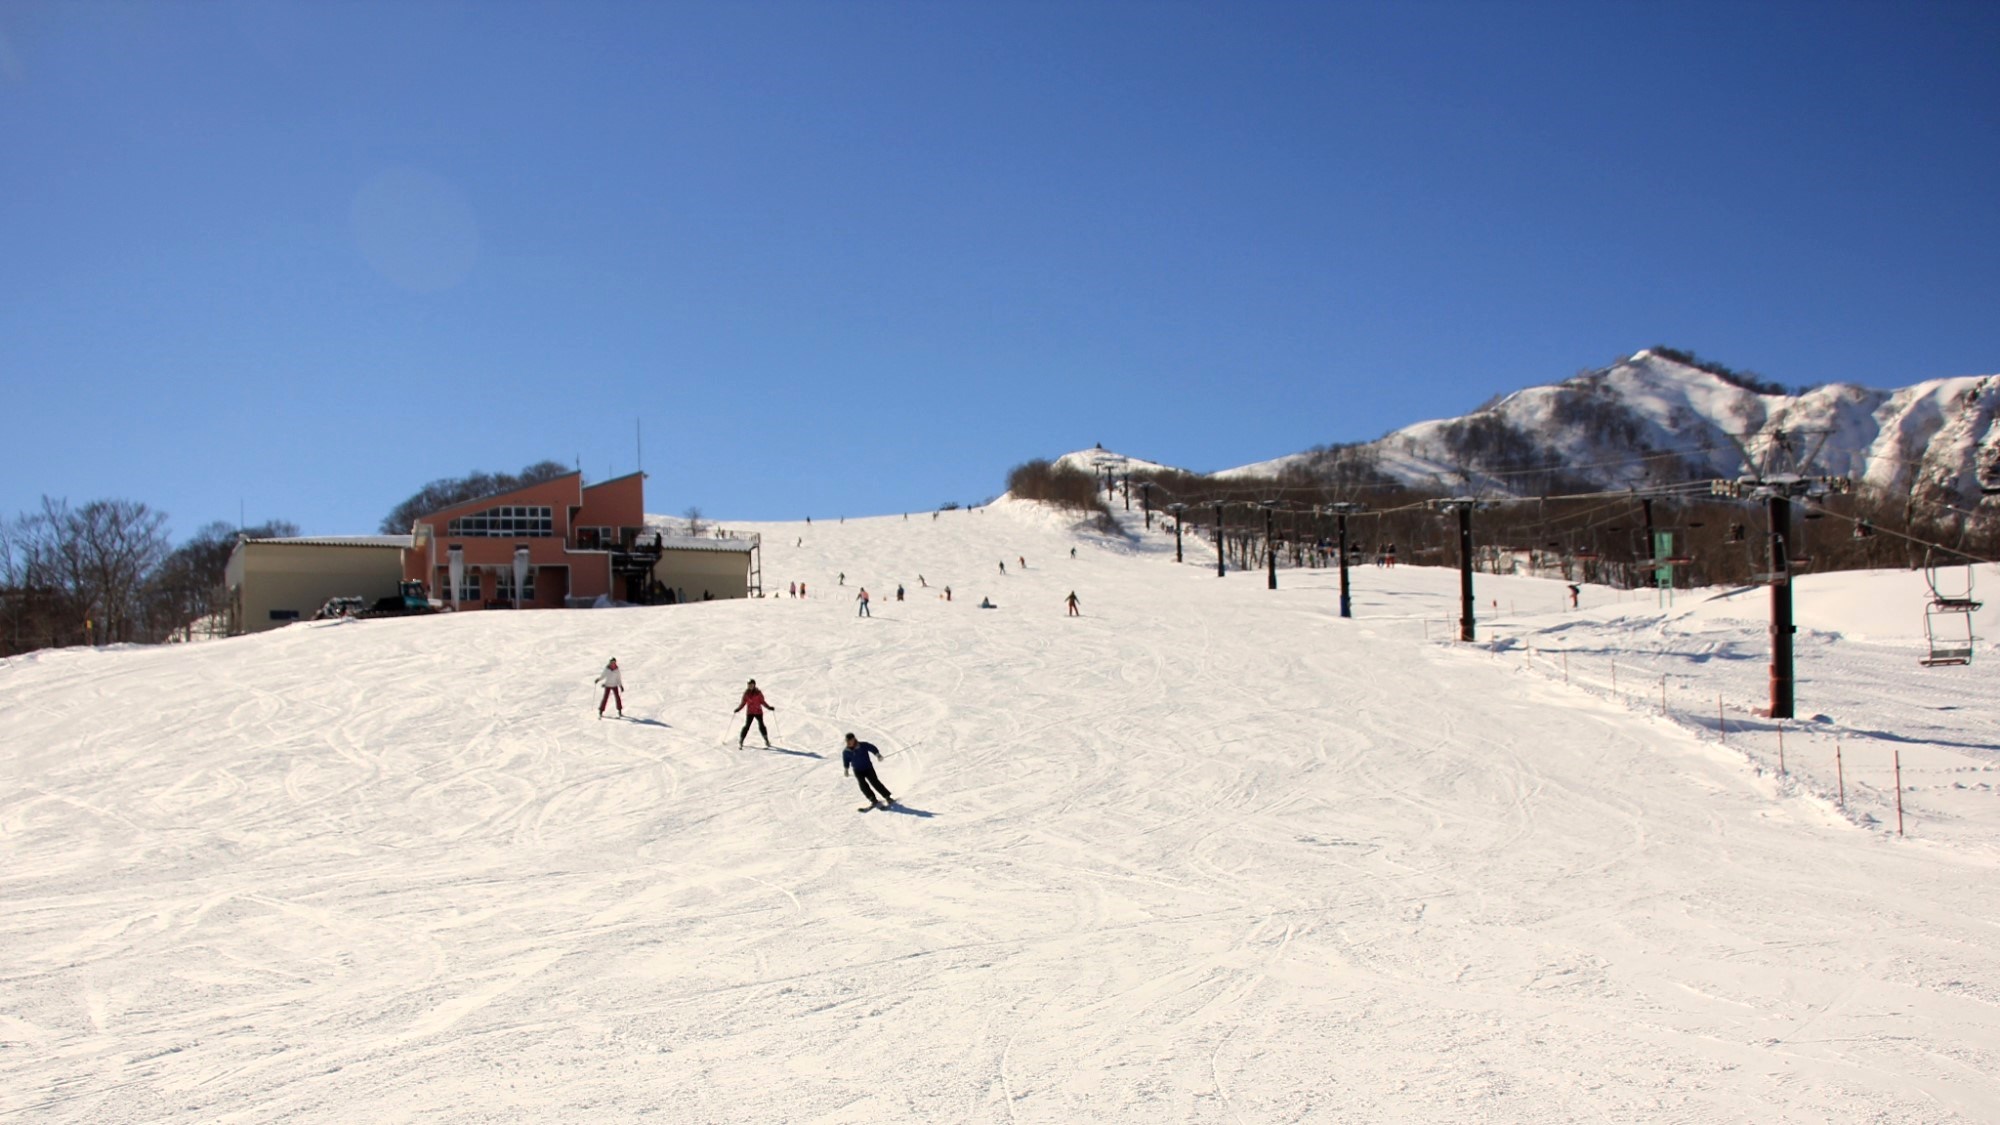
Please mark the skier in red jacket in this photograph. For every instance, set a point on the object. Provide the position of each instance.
(755, 704)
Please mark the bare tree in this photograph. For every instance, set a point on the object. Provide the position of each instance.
(187, 587)
(693, 516)
(79, 574)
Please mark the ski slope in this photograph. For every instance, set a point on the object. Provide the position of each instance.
(1208, 853)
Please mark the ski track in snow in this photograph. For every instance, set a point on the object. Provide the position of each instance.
(1208, 854)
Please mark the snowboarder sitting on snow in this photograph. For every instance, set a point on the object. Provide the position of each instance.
(614, 688)
(854, 760)
(755, 703)
(987, 603)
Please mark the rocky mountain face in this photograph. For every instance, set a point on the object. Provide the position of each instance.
(1656, 419)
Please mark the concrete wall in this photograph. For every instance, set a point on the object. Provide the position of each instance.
(273, 584)
(724, 574)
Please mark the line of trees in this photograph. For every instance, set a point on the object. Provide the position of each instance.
(1061, 485)
(105, 572)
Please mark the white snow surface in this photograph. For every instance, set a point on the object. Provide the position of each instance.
(1209, 852)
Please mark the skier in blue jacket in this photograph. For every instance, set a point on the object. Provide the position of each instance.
(855, 760)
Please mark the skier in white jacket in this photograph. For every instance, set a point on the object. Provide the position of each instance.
(614, 688)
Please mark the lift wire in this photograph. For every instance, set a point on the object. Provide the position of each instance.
(1893, 533)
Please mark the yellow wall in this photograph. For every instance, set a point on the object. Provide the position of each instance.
(298, 578)
(724, 574)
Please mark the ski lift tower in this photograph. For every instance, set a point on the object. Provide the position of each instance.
(1463, 505)
(1778, 491)
(1341, 511)
(1102, 466)
(1177, 509)
(1270, 548)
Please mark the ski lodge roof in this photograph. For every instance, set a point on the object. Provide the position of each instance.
(399, 541)
(691, 543)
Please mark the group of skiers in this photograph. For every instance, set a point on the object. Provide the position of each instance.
(855, 757)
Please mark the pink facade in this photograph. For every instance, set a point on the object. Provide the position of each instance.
(576, 538)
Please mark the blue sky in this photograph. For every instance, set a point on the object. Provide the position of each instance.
(854, 257)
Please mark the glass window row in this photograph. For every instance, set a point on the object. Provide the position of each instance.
(506, 521)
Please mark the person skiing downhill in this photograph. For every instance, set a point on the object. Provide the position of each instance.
(854, 760)
(755, 705)
(862, 600)
(614, 688)
(1071, 602)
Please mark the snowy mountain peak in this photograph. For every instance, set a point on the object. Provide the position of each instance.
(1659, 416)
(1099, 459)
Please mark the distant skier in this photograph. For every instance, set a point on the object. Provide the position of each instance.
(755, 704)
(843, 578)
(802, 589)
(1071, 601)
(899, 591)
(862, 600)
(614, 688)
(854, 761)
(947, 593)
(1574, 590)
(1023, 561)
(1072, 552)
(1003, 566)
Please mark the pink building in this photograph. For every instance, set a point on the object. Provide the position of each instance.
(560, 542)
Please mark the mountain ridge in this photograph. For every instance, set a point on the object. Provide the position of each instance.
(1661, 417)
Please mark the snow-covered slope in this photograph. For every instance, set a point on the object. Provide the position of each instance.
(1101, 460)
(1651, 419)
(1207, 853)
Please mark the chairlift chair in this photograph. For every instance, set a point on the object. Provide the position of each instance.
(1948, 619)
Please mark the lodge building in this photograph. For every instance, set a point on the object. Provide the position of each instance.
(553, 544)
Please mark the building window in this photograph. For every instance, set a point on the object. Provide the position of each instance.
(471, 584)
(504, 588)
(506, 521)
(593, 539)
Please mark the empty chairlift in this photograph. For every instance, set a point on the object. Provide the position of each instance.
(1948, 618)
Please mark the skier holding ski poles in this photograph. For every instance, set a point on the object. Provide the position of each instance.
(755, 704)
(854, 760)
